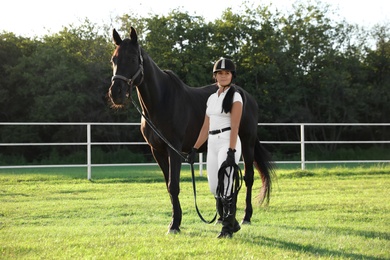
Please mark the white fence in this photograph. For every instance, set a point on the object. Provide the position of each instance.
(89, 143)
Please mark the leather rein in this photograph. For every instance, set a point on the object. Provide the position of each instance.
(130, 83)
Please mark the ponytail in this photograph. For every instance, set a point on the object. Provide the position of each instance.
(228, 100)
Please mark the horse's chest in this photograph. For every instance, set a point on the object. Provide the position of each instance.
(149, 135)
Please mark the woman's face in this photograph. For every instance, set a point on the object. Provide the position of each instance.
(224, 77)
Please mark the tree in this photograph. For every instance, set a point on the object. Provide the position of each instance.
(378, 88)
(12, 51)
(180, 42)
(300, 66)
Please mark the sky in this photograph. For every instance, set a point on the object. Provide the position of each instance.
(41, 17)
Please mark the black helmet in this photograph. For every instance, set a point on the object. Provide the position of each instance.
(225, 64)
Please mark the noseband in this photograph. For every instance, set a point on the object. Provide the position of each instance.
(140, 70)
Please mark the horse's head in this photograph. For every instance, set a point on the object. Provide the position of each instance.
(127, 65)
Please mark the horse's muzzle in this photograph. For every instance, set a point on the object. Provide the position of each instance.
(118, 93)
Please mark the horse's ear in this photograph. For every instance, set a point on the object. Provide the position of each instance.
(115, 36)
(133, 35)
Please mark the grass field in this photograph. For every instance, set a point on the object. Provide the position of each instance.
(327, 213)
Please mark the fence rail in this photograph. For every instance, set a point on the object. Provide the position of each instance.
(89, 144)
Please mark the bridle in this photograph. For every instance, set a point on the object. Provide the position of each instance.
(130, 82)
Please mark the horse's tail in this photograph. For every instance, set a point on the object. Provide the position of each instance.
(265, 165)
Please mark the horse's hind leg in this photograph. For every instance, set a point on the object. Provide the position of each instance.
(248, 156)
(171, 170)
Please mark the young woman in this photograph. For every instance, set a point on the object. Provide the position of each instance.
(220, 128)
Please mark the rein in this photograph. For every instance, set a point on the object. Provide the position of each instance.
(181, 154)
(130, 83)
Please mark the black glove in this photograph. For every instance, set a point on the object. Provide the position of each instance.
(230, 161)
(191, 155)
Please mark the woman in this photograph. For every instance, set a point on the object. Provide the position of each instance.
(220, 128)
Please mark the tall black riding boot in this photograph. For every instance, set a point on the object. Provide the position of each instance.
(229, 223)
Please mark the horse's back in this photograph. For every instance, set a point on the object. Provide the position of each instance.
(248, 125)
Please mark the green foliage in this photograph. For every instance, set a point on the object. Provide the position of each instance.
(301, 66)
(180, 42)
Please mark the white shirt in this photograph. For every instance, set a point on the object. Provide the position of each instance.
(219, 119)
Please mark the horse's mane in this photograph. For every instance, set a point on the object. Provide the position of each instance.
(176, 78)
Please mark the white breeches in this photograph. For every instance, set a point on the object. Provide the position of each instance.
(218, 146)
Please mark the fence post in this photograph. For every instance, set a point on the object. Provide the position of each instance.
(89, 156)
(302, 146)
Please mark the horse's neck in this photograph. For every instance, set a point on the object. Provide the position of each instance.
(150, 92)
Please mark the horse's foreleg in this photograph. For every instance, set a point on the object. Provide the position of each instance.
(171, 176)
(173, 186)
(248, 178)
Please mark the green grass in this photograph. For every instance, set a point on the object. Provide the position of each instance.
(325, 213)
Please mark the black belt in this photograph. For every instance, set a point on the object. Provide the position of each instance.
(214, 132)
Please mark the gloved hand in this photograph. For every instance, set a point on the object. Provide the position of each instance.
(191, 155)
(230, 161)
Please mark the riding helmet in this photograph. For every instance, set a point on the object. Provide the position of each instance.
(225, 64)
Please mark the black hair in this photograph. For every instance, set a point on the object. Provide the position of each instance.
(228, 100)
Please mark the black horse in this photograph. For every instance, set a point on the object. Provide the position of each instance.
(178, 111)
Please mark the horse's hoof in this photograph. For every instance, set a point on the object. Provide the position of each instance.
(245, 222)
(173, 231)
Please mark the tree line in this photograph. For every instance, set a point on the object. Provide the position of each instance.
(301, 66)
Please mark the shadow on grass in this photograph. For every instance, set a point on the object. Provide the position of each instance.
(142, 179)
(344, 231)
(311, 249)
(336, 171)
(150, 174)
(121, 174)
(316, 250)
